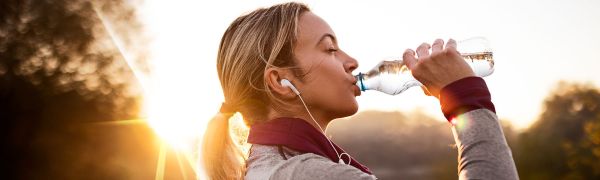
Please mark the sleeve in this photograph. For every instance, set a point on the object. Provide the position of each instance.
(482, 149)
(311, 166)
(483, 152)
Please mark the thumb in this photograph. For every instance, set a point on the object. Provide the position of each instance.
(409, 58)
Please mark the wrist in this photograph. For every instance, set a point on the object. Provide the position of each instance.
(464, 95)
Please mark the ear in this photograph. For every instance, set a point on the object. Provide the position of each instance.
(273, 78)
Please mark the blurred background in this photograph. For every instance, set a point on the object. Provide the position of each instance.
(123, 89)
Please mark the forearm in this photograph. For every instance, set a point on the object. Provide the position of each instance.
(482, 149)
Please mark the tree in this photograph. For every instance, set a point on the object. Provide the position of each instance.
(60, 74)
(564, 142)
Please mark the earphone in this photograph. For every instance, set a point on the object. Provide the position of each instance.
(287, 83)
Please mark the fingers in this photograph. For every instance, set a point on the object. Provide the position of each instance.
(451, 44)
(423, 50)
(409, 58)
(437, 45)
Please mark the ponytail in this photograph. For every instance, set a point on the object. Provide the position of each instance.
(251, 44)
(221, 157)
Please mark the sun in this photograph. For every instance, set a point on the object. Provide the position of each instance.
(176, 104)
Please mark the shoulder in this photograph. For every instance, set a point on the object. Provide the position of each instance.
(268, 162)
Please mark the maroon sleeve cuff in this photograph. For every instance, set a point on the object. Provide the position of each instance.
(464, 95)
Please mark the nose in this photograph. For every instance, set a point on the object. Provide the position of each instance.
(350, 64)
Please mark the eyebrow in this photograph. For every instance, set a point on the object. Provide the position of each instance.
(325, 36)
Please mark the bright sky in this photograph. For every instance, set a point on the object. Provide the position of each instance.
(536, 43)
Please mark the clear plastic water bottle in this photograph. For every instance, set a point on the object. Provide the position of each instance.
(393, 77)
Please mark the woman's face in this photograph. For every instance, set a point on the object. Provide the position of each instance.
(328, 86)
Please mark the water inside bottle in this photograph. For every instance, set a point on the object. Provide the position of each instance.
(394, 77)
(482, 63)
(390, 77)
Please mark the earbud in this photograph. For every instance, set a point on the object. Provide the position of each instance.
(287, 83)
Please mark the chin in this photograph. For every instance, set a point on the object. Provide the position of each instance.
(348, 110)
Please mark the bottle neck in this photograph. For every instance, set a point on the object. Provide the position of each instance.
(360, 82)
(388, 83)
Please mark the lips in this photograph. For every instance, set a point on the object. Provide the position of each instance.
(354, 87)
(356, 90)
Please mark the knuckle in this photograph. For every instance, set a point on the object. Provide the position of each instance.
(417, 73)
(437, 56)
(423, 66)
(448, 52)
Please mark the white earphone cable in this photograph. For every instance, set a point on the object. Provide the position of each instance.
(323, 132)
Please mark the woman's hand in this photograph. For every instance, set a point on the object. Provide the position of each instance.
(438, 69)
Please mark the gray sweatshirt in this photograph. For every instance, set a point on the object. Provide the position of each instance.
(482, 154)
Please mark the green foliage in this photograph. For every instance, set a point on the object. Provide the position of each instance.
(60, 77)
(564, 142)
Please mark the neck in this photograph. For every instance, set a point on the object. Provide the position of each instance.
(320, 122)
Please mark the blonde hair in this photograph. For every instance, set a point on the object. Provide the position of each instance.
(253, 42)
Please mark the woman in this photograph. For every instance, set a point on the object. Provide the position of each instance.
(281, 68)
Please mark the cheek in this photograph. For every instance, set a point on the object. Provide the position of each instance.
(335, 90)
(331, 76)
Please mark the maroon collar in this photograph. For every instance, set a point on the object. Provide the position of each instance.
(299, 135)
